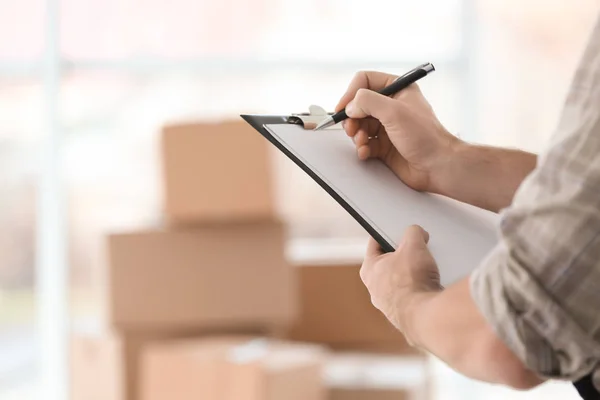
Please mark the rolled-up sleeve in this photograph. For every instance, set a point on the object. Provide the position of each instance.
(540, 287)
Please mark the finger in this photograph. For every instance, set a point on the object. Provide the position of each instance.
(369, 125)
(364, 79)
(365, 146)
(374, 147)
(368, 146)
(370, 140)
(369, 103)
(380, 147)
(363, 152)
(416, 234)
(351, 126)
(373, 249)
(377, 144)
(361, 138)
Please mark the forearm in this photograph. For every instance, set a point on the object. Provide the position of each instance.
(449, 325)
(486, 177)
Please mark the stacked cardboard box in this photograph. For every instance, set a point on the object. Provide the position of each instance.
(209, 276)
(233, 368)
(106, 365)
(216, 266)
(336, 310)
(175, 294)
(216, 172)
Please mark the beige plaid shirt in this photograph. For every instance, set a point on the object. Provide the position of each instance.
(540, 287)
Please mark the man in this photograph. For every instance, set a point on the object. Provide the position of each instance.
(531, 311)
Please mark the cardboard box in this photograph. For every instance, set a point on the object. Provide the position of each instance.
(99, 368)
(360, 376)
(367, 394)
(336, 309)
(219, 276)
(232, 369)
(216, 172)
(105, 365)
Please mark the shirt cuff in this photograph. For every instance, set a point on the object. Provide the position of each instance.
(527, 319)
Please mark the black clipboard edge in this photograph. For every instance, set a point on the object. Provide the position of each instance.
(258, 122)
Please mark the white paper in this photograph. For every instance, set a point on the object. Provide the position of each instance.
(460, 234)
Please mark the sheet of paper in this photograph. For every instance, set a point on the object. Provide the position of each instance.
(460, 234)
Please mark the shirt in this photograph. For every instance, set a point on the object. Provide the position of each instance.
(539, 288)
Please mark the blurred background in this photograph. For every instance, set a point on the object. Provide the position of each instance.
(87, 85)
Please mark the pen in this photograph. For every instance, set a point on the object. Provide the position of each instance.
(400, 83)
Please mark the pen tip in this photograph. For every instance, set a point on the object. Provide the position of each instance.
(324, 124)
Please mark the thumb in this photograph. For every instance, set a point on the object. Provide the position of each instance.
(369, 103)
(416, 234)
(373, 249)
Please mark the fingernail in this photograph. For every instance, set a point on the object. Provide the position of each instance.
(344, 124)
(350, 108)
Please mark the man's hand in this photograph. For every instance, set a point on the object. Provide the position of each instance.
(404, 133)
(405, 286)
(397, 280)
(401, 130)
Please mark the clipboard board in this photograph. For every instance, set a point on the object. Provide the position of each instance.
(259, 122)
(460, 235)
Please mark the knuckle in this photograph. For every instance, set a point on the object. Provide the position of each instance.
(360, 79)
(363, 273)
(360, 74)
(374, 302)
(361, 95)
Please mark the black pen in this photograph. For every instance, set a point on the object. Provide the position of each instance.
(401, 83)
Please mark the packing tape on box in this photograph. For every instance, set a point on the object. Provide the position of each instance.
(249, 352)
(365, 371)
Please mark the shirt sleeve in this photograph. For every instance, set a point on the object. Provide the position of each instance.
(540, 287)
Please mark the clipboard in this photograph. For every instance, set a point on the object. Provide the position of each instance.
(461, 235)
(259, 122)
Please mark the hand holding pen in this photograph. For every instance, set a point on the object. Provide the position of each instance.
(398, 84)
(401, 130)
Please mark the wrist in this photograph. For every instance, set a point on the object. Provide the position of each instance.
(447, 169)
(412, 313)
